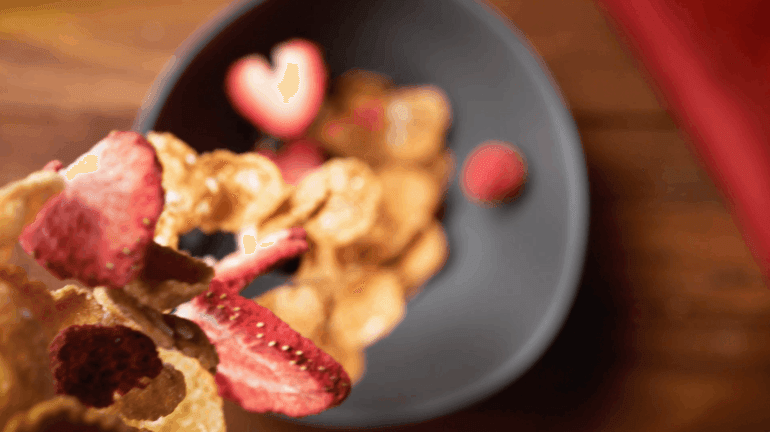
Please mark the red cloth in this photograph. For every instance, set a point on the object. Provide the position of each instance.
(711, 62)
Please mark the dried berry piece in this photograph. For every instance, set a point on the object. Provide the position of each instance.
(284, 100)
(98, 228)
(54, 165)
(256, 257)
(65, 414)
(296, 159)
(265, 366)
(92, 362)
(495, 172)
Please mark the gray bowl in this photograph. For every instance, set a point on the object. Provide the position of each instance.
(513, 271)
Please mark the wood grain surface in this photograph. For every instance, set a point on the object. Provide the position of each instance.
(670, 330)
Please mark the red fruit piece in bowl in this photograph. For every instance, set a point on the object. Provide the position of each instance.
(256, 257)
(264, 365)
(282, 101)
(98, 229)
(92, 362)
(494, 172)
(296, 159)
(54, 165)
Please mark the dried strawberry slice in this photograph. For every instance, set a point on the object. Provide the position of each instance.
(256, 257)
(54, 165)
(296, 159)
(98, 229)
(92, 362)
(495, 172)
(264, 365)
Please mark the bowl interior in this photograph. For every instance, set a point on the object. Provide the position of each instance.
(513, 271)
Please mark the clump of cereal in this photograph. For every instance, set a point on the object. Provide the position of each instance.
(65, 413)
(417, 118)
(20, 202)
(27, 325)
(158, 399)
(199, 411)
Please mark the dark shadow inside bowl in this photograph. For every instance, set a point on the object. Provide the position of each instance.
(513, 273)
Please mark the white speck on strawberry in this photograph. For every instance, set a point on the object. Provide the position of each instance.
(285, 348)
(271, 343)
(260, 324)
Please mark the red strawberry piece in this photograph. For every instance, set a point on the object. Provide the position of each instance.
(270, 154)
(370, 115)
(494, 172)
(257, 257)
(92, 362)
(54, 165)
(282, 101)
(264, 365)
(98, 229)
(298, 158)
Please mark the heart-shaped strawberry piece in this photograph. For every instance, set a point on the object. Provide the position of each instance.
(281, 101)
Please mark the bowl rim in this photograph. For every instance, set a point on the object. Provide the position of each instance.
(569, 140)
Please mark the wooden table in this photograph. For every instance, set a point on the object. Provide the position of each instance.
(670, 330)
